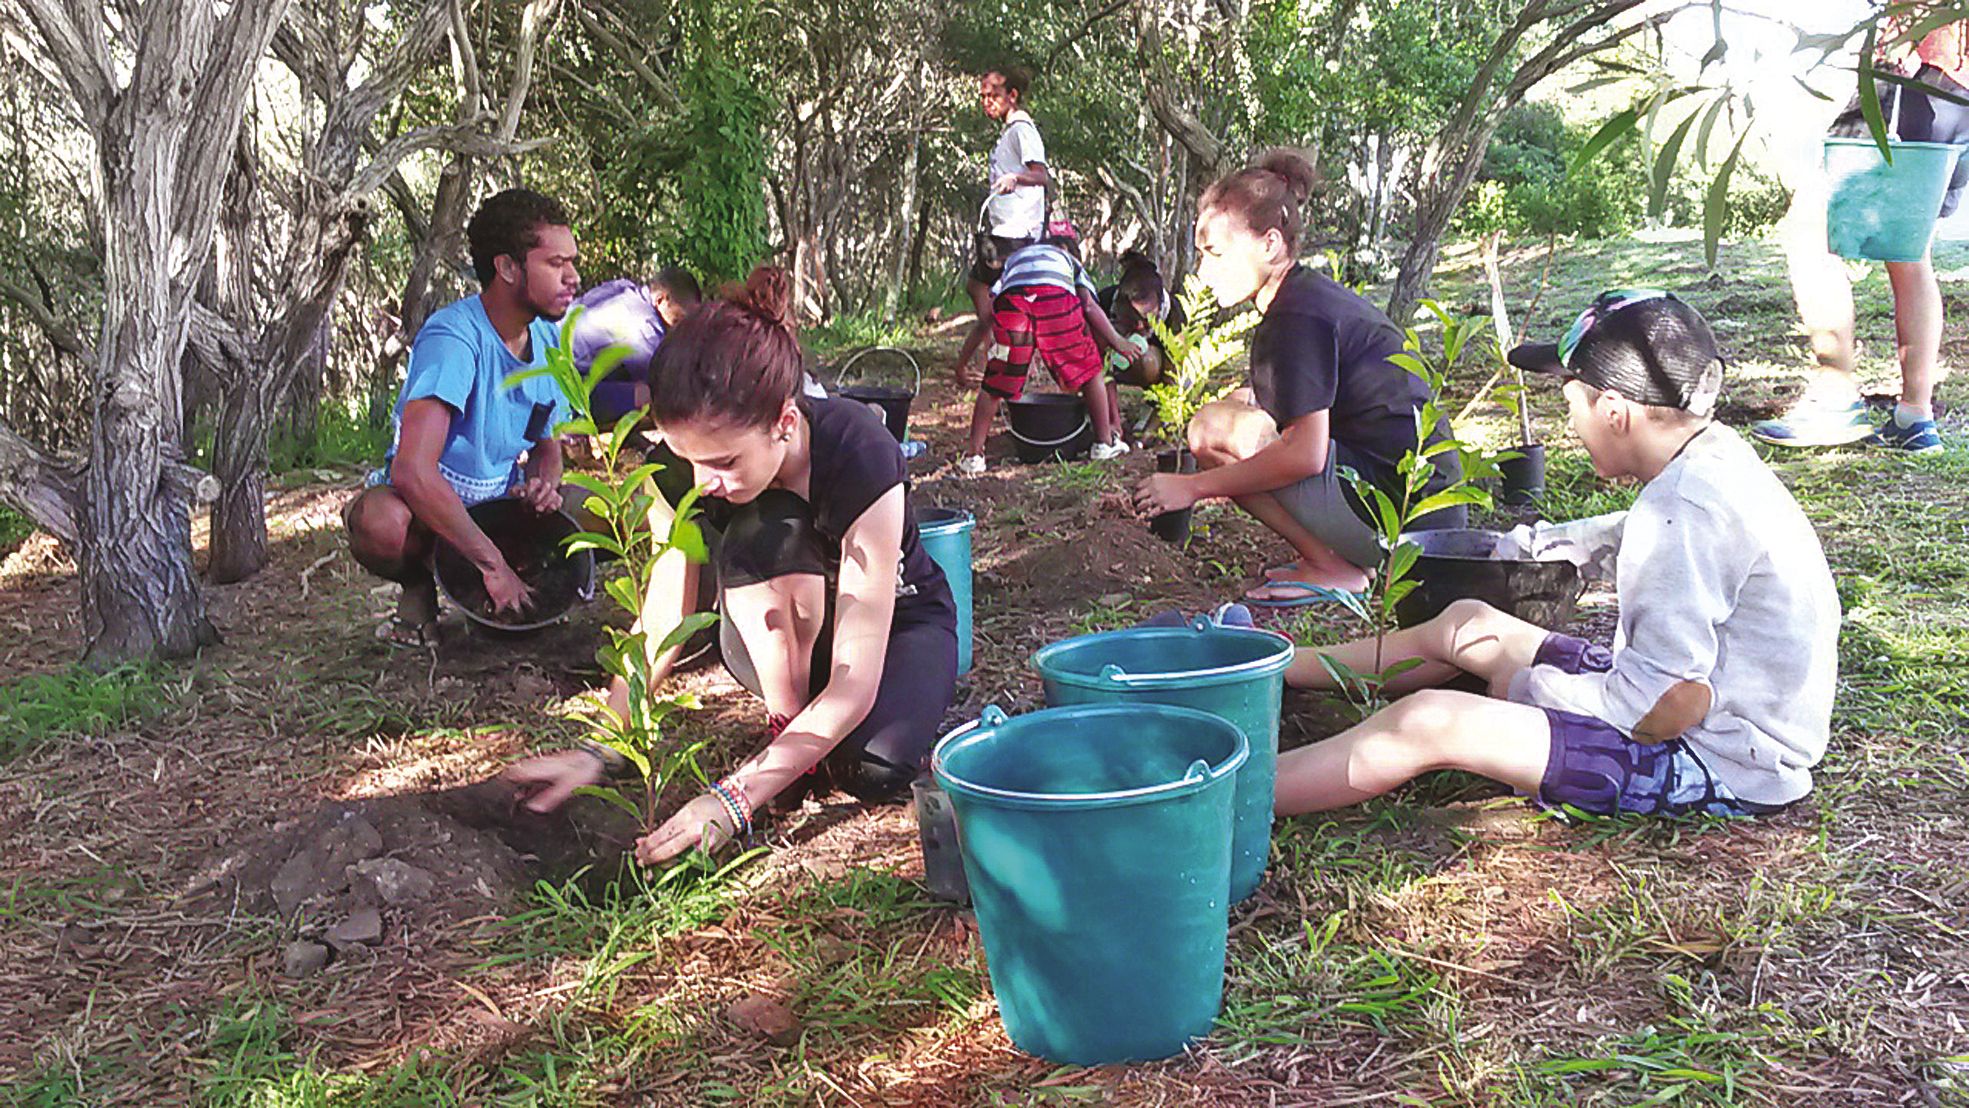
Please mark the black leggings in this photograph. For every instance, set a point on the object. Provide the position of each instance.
(774, 536)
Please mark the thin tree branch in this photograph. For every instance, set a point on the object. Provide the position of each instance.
(73, 36)
(467, 138)
(59, 333)
(632, 58)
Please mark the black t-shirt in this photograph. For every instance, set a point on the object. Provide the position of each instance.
(855, 462)
(1322, 347)
(1174, 320)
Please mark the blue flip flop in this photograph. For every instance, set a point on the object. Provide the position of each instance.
(1309, 595)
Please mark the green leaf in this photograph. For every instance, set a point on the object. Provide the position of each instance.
(589, 540)
(1876, 124)
(1402, 559)
(1391, 521)
(1450, 498)
(1608, 133)
(521, 376)
(1396, 669)
(1395, 592)
(1708, 126)
(1664, 167)
(624, 591)
(687, 536)
(613, 796)
(1716, 206)
(688, 626)
(610, 357)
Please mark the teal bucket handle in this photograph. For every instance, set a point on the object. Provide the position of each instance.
(1115, 674)
(1199, 771)
(1201, 623)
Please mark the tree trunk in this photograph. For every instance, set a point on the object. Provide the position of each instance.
(239, 461)
(905, 223)
(440, 248)
(140, 596)
(1434, 209)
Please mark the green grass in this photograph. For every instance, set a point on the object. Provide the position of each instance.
(343, 436)
(77, 702)
(14, 529)
(847, 333)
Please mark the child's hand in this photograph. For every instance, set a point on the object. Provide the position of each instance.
(964, 375)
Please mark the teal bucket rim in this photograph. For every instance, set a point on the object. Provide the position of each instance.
(963, 521)
(1892, 144)
(992, 718)
(1112, 676)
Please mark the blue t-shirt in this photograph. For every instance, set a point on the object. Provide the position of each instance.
(459, 359)
(617, 311)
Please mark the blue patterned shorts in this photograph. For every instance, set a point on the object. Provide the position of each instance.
(1595, 768)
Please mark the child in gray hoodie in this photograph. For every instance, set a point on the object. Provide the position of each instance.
(1717, 695)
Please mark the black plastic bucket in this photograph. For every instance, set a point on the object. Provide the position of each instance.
(1459, 564)
(1050, 425)
(892, 403)
(531, 543)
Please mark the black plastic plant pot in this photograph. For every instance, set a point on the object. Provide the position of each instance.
(1173, 526)
(892, 403)
(1524, 476)
(1460, 563)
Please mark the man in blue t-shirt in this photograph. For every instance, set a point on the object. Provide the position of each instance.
(461, 431)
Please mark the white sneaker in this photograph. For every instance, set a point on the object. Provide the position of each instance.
(971, 465)
(1108, 451)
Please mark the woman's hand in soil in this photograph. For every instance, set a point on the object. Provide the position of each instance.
(1163, 492)
(505, 590)
(703, 822)
(547, 780)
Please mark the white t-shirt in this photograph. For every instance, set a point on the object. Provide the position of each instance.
(1017, 214)
(1721, 580)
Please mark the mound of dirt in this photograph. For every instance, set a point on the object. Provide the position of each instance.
(402, 868)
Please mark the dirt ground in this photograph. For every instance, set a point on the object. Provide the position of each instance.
(300, 777)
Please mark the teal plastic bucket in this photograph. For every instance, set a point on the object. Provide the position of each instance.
(1881, 211)
(1233, 672)
(946, 534)
(1097, 844)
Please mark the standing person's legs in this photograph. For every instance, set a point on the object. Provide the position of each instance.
(1229, 431)
(388, 541)
(1006, 367)
(1917, 330)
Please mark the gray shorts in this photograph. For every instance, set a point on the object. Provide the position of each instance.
(1325, 505)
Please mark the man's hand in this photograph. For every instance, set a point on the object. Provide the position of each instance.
(547, 780)
(1164, 492)
(1005, 184)
(703, 822)
(541, 492)
(505, 589)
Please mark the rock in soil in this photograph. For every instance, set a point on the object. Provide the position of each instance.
(364, 926)
(393, 881)
(767, 1018)
(320, 868)
(304, 959)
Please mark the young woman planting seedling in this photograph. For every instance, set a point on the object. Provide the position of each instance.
(833, 612)
(1717, 695)
(1323, 394)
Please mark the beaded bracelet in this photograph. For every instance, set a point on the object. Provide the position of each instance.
(727, 792)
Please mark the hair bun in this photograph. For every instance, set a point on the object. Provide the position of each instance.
(1292, 167)
(767, 294)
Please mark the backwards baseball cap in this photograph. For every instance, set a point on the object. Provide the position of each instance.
(1645, 344)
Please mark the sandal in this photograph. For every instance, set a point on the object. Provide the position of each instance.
(1304, 595)
(398, 631)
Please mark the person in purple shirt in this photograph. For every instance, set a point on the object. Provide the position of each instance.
(626, 312)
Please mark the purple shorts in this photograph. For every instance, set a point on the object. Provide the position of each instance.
(1595, 768)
